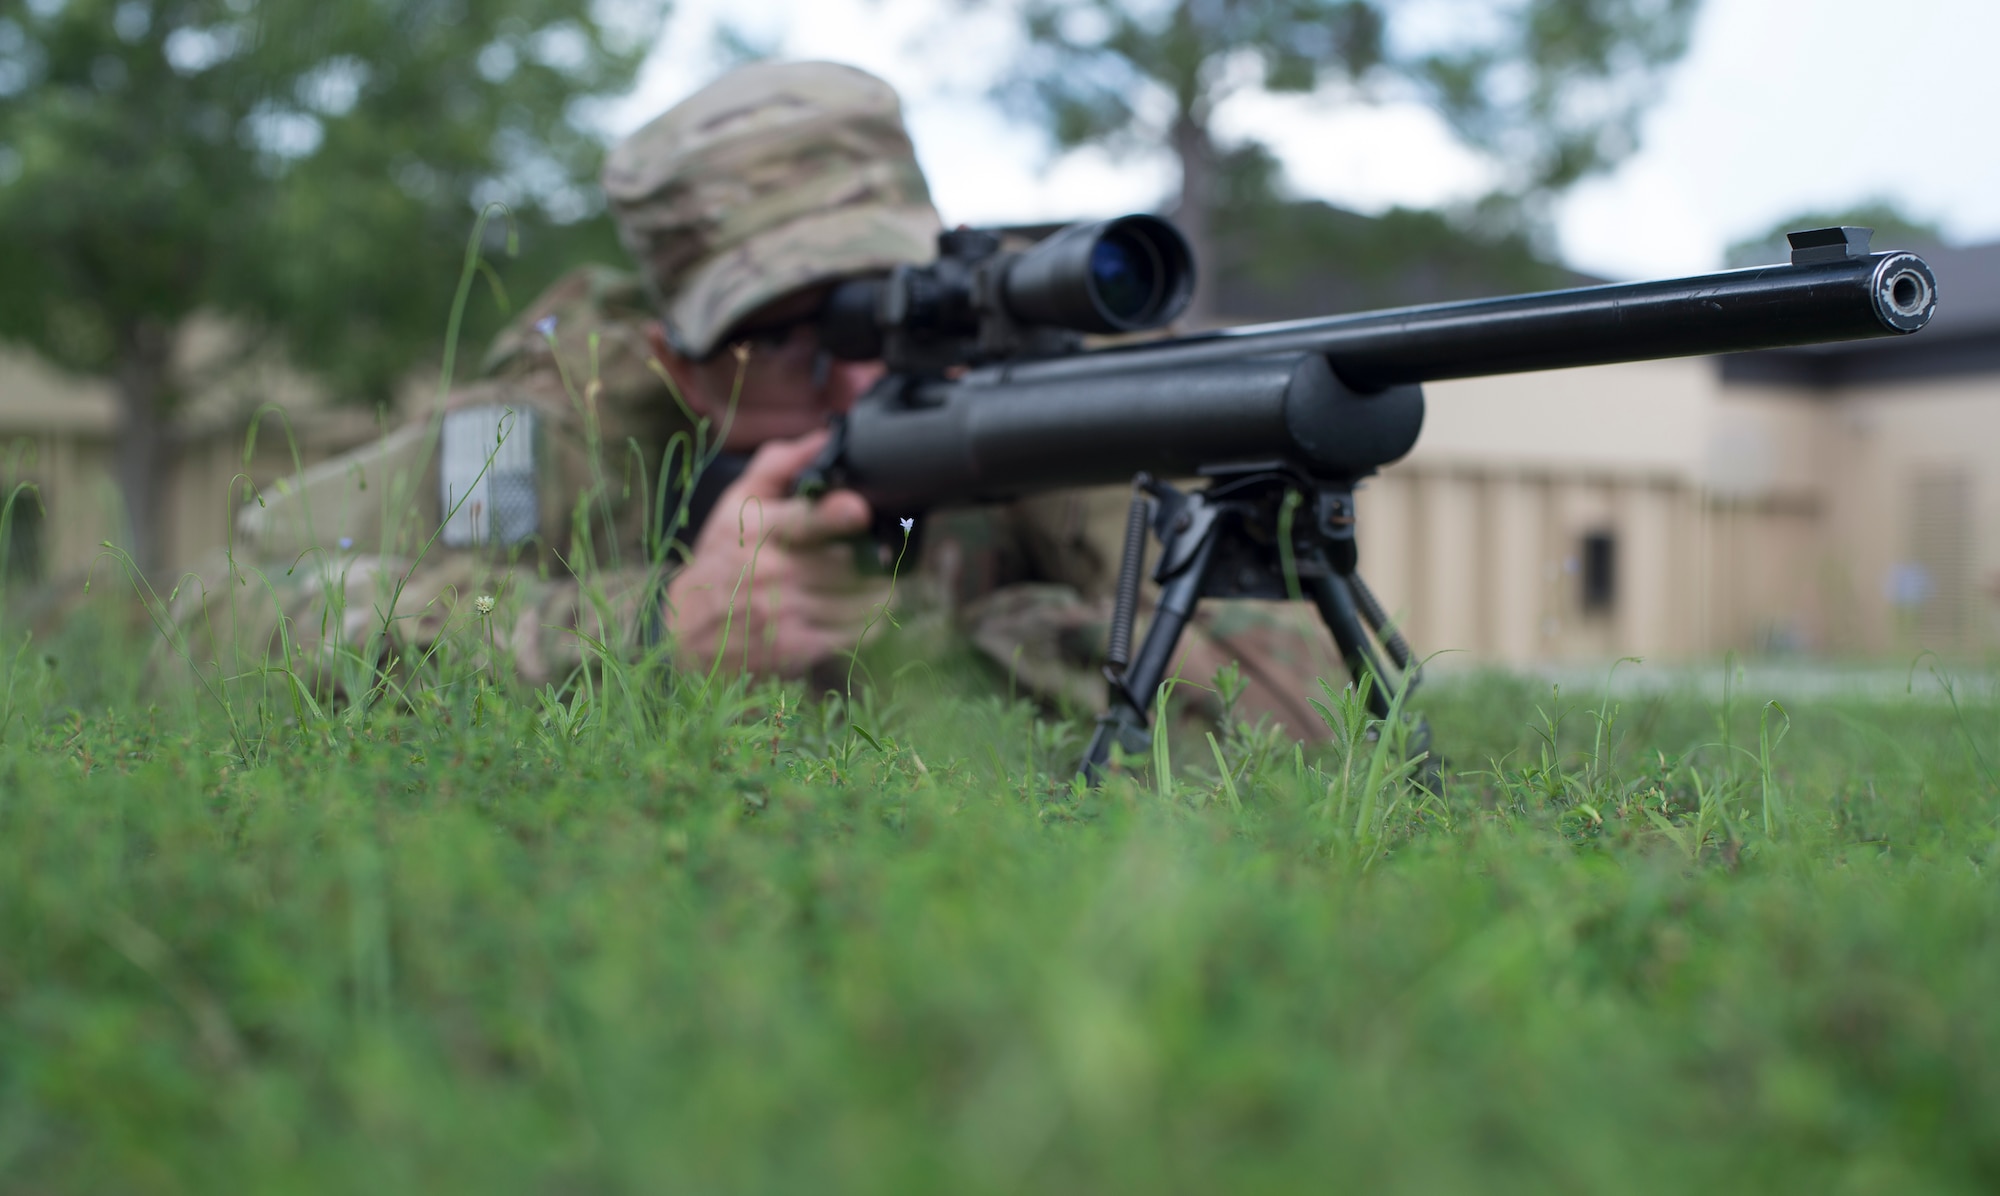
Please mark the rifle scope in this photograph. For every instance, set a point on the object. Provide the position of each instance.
(1122, 275)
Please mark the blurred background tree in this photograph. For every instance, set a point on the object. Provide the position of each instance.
(309, 169)
(1894, 229)
(1552, 90)
(1280, 258)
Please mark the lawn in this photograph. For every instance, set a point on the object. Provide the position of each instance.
(702, 938)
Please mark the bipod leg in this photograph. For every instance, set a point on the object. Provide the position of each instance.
(1351, 612)
(1342, 616)
(1133, 689)
(1390, 636)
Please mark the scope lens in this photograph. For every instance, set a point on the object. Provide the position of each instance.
(1125, 273)
(1106, 276)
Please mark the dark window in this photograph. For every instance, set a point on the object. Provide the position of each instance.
(1600, 572)
(21, 538)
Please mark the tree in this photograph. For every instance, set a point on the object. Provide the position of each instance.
(1280, 258)
(1893, 230)
(308, 169)
(1551, 89)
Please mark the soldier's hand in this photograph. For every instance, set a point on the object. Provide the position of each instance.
(769, 576)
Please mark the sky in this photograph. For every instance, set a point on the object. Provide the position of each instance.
(1780, 107)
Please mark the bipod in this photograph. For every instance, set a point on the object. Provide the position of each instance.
(1262, 531)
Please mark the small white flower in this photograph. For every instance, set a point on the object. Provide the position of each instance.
(907, 525)
(483, 604)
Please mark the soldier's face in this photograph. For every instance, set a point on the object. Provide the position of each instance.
(788, 387)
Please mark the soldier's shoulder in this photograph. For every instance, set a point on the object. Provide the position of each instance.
(589, 298)
(591, 322)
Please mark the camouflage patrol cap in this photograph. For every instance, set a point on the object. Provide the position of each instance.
(775, 177)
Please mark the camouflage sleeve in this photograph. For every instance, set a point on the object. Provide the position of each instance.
(430, 554)
(335, 623)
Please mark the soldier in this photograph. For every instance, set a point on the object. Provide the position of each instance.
(536, 510)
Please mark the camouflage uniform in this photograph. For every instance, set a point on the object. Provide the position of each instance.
(772, 179)
(378, 551)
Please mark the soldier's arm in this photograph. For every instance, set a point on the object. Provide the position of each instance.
(367, 559)
(353, 557)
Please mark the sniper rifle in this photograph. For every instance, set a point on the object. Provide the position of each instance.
(991, 394)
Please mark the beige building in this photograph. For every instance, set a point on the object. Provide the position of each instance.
(1842, 501)
(56, 435)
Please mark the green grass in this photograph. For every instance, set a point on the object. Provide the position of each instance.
(731, 940)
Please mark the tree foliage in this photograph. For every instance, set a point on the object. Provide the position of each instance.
(1096, 69)
(1272, 252)
(1894, 229)
(1552, 90)
(310, 169)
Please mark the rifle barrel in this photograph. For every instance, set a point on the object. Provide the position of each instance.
(1765, 307)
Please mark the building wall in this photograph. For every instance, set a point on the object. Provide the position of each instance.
(56, 435)
(1488, 564)
(1758, 519)
(1913, 526)
(1478, 540)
